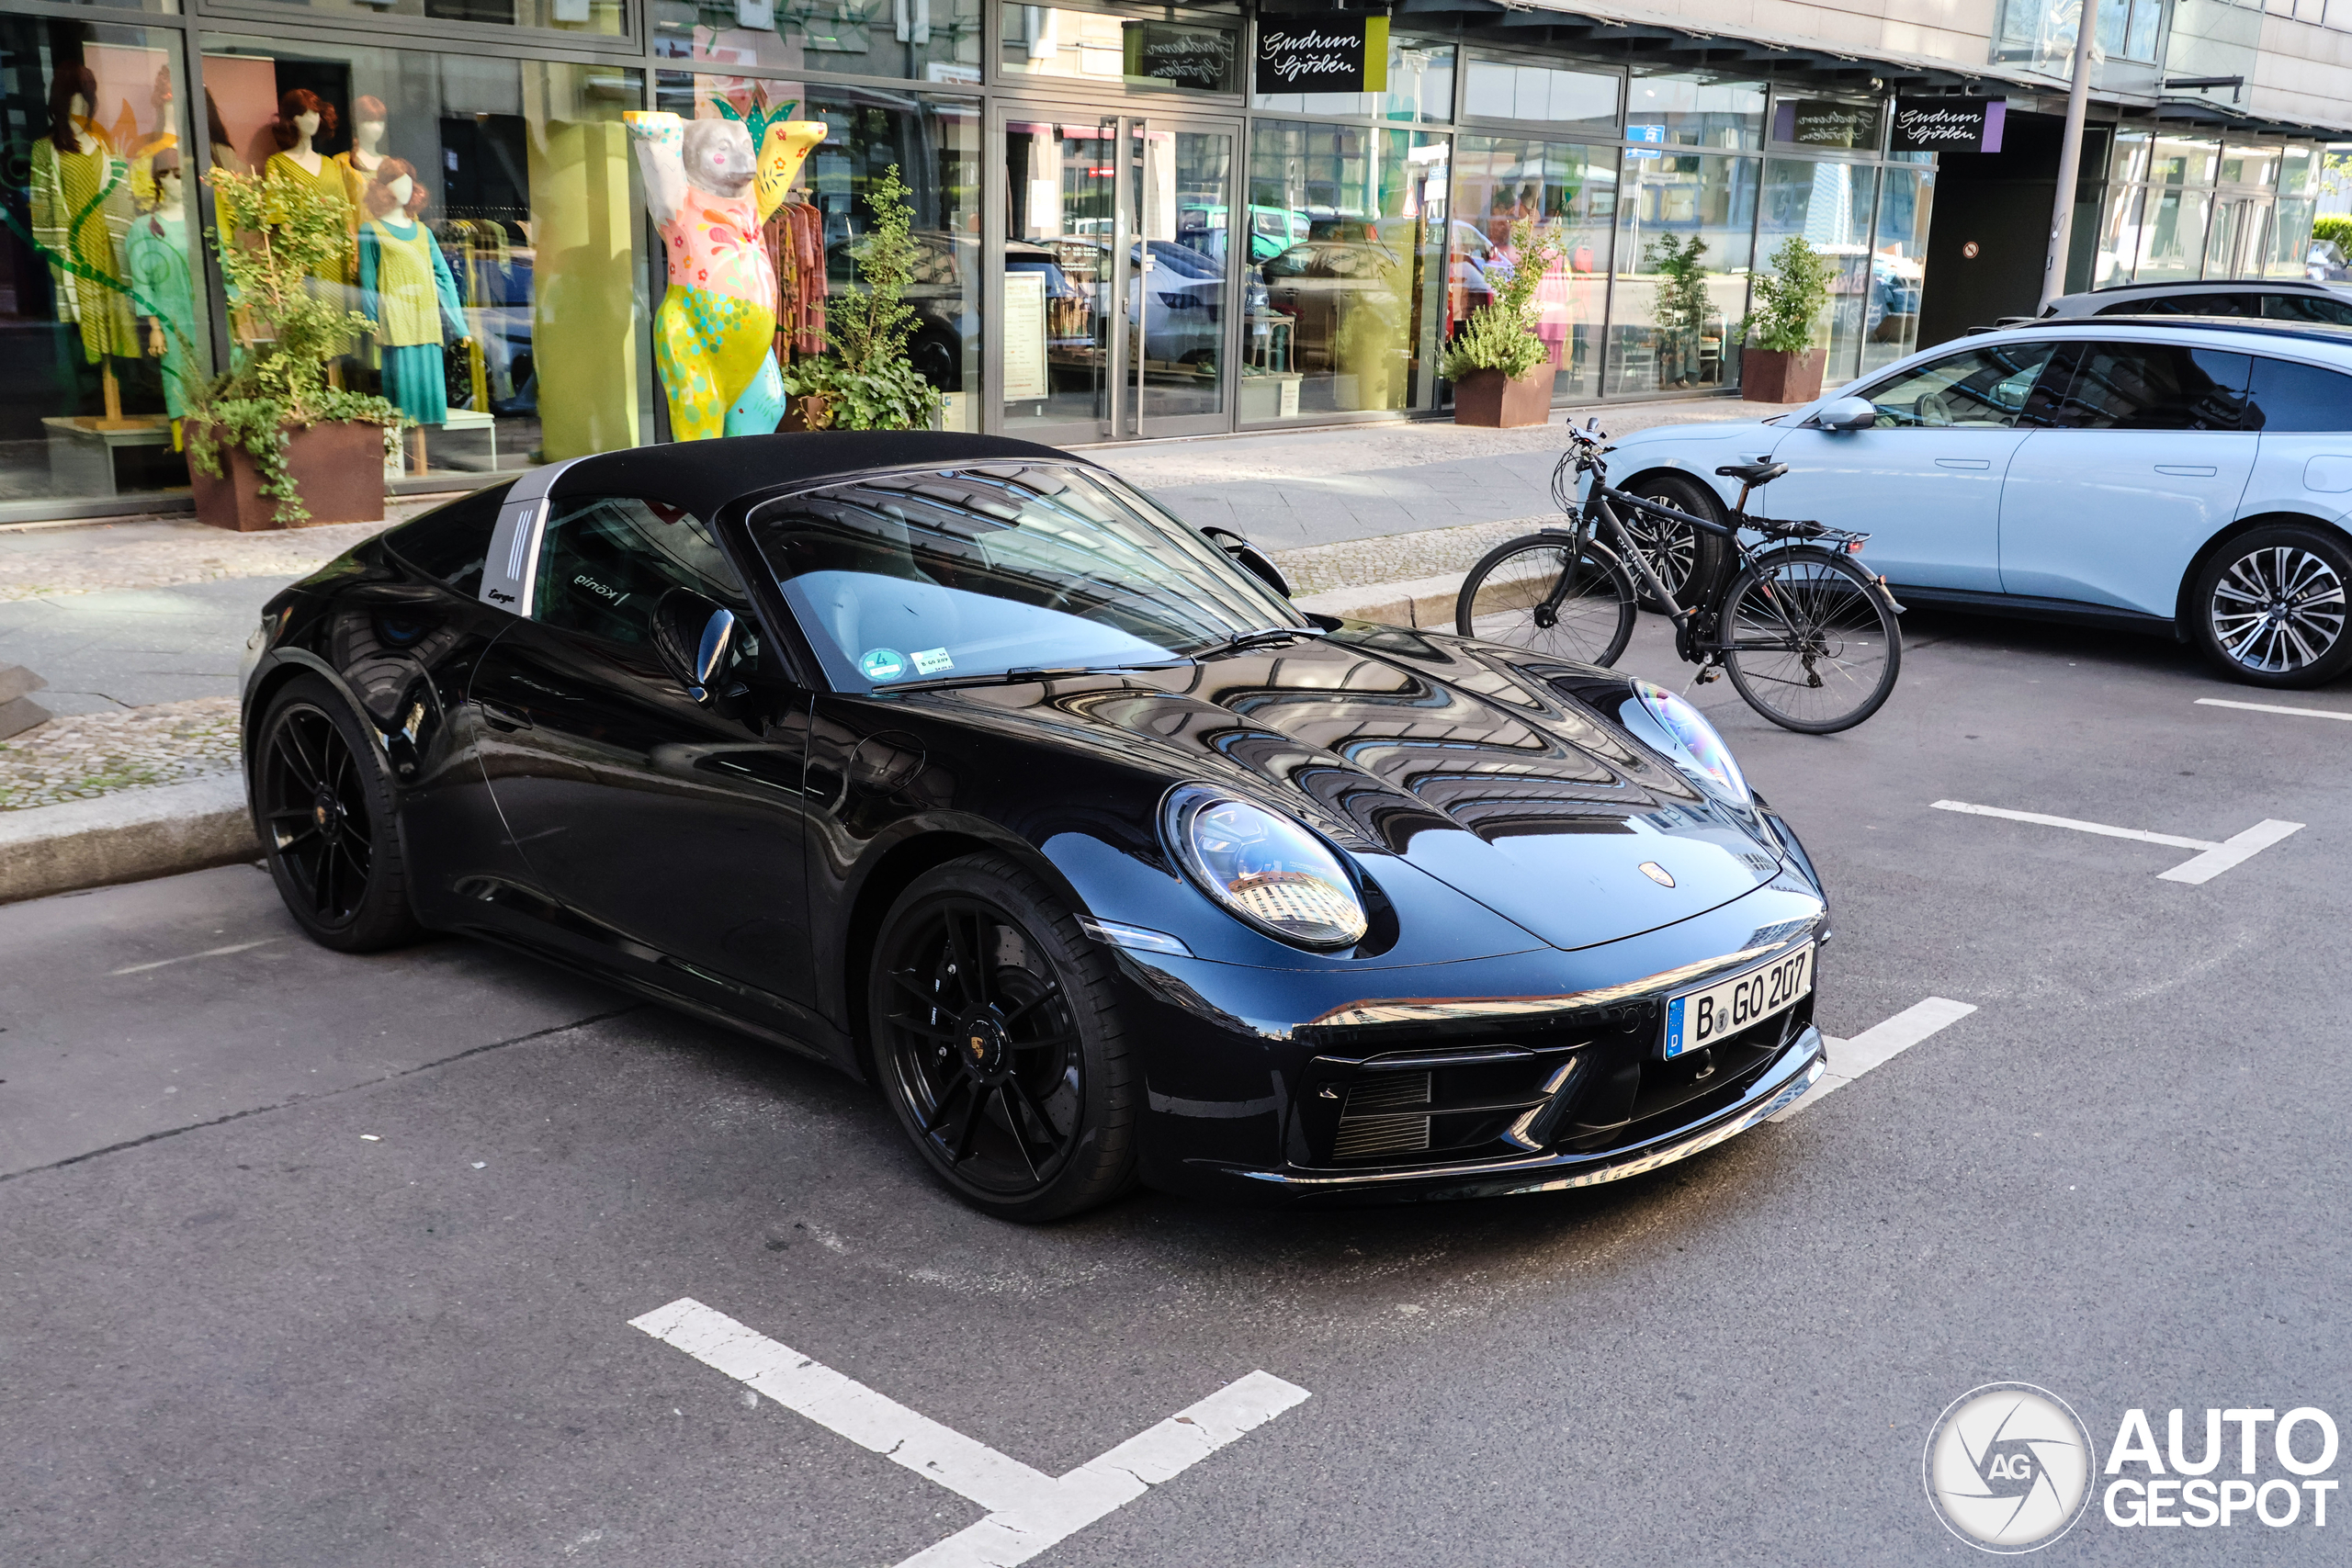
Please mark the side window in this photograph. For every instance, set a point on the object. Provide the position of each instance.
(2205, 303)
(2308, 308)
(1985, 387)
(451, 542)
(605, 562)
(2289, 397)
(2145, 386)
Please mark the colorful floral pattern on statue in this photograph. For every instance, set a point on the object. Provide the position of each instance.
(715, 332)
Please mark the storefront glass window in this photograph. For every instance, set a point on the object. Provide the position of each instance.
(1570, 192)
(1680, 109)
(1420, 89)
(1584, 100)
(1898, 265)
(936, 146)
(1684, 227)
(1135, 51)
(1358, 288)
(2292, 234)
(922, 41)
(600, 18)
(508, 291)
(2183, 160)
(1829, 206)
(2172, 234)
(2118, 240)
(99, 291)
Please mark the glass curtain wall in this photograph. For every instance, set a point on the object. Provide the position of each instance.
(1829, 206)
(934, 145)
(1686, 232)
(1898, 265)
(524, 338)
(100, 287)
(1568, 192)
(1358, 289)
(2183, 207)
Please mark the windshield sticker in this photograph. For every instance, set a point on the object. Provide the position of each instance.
(932, 660)
(882, 664)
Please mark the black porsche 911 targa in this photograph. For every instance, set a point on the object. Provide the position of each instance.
(957, 763)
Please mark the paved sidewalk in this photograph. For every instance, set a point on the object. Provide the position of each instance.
(122, 615)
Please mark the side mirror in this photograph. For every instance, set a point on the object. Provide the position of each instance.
(1848, 413)
(1249, 557)
(692, 635)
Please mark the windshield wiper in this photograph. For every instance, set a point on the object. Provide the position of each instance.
(1015, 677)
(1258, 638)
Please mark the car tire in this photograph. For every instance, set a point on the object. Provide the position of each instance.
(1685, 559)
(993, 1032)
(2270, 607)
(322, 807)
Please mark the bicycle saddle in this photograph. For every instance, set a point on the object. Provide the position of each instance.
(1758, 473)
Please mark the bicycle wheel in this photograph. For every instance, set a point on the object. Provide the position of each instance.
(1517, 595)
(1811, 640)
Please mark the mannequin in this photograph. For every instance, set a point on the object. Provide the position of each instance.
(714, 335)
(407, 289)
(75, 175)
(144, 150)
(367, 154)
(158, 256)
(216, 131)
(298, 166)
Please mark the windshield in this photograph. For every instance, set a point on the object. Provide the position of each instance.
(973, 572)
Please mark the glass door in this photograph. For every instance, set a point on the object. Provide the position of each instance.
(1117, 277)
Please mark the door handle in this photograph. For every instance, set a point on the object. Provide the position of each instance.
(1964, 462)
(2187, 470)
(504, 718)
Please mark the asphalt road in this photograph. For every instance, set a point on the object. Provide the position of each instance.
(317, 1261)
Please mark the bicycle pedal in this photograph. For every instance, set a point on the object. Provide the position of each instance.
(1709, 673)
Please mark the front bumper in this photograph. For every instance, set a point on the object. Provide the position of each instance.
(1786, 1082)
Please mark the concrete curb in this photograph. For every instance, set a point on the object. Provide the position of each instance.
(128, 836)
(1424, 603)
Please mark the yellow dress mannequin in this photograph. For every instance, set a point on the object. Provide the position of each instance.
(298, 168)
(714, 335)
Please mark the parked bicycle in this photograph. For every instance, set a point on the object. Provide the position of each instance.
(1807, 636)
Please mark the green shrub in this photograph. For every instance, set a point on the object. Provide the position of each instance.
(1501, 334)
(865, 374)
(1790, 298)
(2336, 227)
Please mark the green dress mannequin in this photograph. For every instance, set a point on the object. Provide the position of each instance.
(157, 252)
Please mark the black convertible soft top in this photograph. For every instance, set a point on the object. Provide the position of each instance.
(704, 476)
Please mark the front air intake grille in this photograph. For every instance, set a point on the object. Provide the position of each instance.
(1360, 1137)
(1390, 1091)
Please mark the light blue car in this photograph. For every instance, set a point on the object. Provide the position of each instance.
(2188, 478)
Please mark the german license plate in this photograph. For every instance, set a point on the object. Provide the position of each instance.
(1696, 1019)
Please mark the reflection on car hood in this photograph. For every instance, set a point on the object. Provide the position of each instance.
(1474, 764)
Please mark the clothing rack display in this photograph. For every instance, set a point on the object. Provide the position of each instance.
(794, 240)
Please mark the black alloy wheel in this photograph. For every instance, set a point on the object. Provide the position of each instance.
(2270, 607)
(996, 1040)
(1685, 559)
(323, 810)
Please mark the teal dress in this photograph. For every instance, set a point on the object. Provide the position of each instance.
(407, 289)
(156, 249)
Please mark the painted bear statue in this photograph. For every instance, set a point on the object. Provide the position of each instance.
(715, 334)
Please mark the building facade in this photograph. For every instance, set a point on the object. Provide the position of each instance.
(1132, 220)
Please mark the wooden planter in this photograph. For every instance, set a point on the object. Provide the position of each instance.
(1767, 376)
(810, 411)
(338, 472)
(1490, 398)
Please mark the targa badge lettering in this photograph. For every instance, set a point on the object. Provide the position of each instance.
(882, 664)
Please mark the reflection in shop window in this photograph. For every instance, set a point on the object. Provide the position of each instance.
(1898, 265)
(1355, 302)
(505, 291)
(935, 147)
(1828, 205)
(1686, 109)
(601, 18)
(1500, 89)
(1684, 230)
(1568, 190)
(1135, 51)
(105, 337)
(922, 41)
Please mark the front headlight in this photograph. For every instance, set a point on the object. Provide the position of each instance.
(1266, 869)
(1693, 745)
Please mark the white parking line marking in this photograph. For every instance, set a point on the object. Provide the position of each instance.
(1880, 1044)
(2215, 858)
(2077, 825)
(191, 957)
(2238, 847)
(2274, 708)
(1029, 1511)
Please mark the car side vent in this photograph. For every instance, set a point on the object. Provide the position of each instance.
(1369, 1125)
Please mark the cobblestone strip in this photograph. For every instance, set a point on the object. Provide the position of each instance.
(87, 755)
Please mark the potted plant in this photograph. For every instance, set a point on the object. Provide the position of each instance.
(1501, 371)
(1785, 365)
(1683, 309)
(865, 380)
(272, 443)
